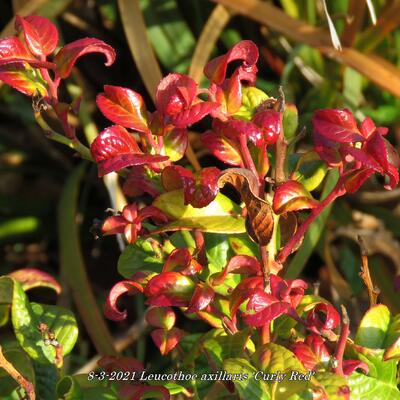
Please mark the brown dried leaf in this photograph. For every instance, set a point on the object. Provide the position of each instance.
(260, 221)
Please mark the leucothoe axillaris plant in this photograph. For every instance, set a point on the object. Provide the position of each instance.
(192, 250)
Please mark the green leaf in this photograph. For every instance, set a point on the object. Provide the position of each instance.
(78, 387)
(273, 358)
(46, 380)
(21, 362)
(373, 327)
(217, 250)
(310, 170)
(164, 26)
(69, 389)
(247, 388)
(223, 346)
(26, 318)
(138, 256)
(251, 99)
(220, 216)
(290, 121)
(352, 87)
(242, 245)
(368, 388)
(6, 290)
(332, 384)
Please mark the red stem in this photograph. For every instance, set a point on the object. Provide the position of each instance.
(53, 85)
(344, 334)
(336, 192)
(265, 334)
(248, 161)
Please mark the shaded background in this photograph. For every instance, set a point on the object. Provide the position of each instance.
(155, 37)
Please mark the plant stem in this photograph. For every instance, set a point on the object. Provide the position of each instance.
(337, 191)
(373, 292)
(265, 334)
(344, 334)
(266, 268)
(248, 161)
(72, 143)
(10, 369)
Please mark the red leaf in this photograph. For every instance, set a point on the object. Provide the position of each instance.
(12, 51)
(203, 295)
(175, 143)
(176, 177)
(161, 317)
(349, 366)
(271, 123)
(175, 93)
(151, 212)
(337, 125)
(240, 264)
(40, 34)
(207, 188)
(222, 148)
(178, 259)
(114, 225)
(124, 107)
(140, 179)
(165, 340)
(31, 278)
(243, 291)
(115, 149)
(169, 289)
(68, 55)
(292, 196)
(113, 141)
(15, 62)
(351, 154)
(290, 291)
(266, 314)
(246, 51)
(386, 156)
(193, 114)
(111, 310)
(305, 355)
(354, 178)
(127, 160)
(323, 316)
(119, 363)
(176, 98)
(367, 127)
(236, 127)
(327, 150)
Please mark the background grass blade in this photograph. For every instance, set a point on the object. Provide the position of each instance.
(73, 266)
(209, 36)
(142, 52)
(375, 68)
(165, 23)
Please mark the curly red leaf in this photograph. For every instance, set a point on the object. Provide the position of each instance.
(246, 50)
(69, 54)
(111, 310)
